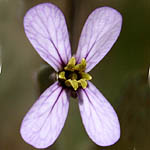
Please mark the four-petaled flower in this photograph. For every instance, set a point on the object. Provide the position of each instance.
(46, 29)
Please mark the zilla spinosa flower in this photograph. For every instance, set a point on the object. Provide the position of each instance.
(46, 29)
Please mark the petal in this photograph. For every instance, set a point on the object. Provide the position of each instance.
(98, 116)
(99, 33)
(46, 29)
(43, 123)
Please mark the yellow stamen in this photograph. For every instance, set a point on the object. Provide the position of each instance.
(83, 83)
(86, 76)
(72, 83)
(71, 64)
(74, 75)
(81, 66)
(61, 75)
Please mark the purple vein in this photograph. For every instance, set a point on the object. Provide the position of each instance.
(30, 25)
(50, 38)
(56, 40)
(50, 110)
(63, 26)
(48, 55)
(92, 104)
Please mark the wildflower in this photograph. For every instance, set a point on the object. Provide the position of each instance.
(46, 29)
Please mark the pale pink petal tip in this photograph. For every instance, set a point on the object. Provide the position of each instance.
(43, 123)
(46, 29)
(98, 116)
(99, 33)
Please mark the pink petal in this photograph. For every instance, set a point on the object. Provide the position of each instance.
(46, 29)
(43, 123)
(98, 116)
(99, 33)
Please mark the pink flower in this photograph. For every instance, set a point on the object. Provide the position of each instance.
(46, 29)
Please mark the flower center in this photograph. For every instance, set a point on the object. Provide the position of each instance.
(74, 75)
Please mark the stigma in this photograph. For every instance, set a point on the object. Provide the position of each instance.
(73, 75)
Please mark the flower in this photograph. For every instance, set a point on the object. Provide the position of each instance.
(46, 29)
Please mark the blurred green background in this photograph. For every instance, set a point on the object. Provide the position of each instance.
(122, 76)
